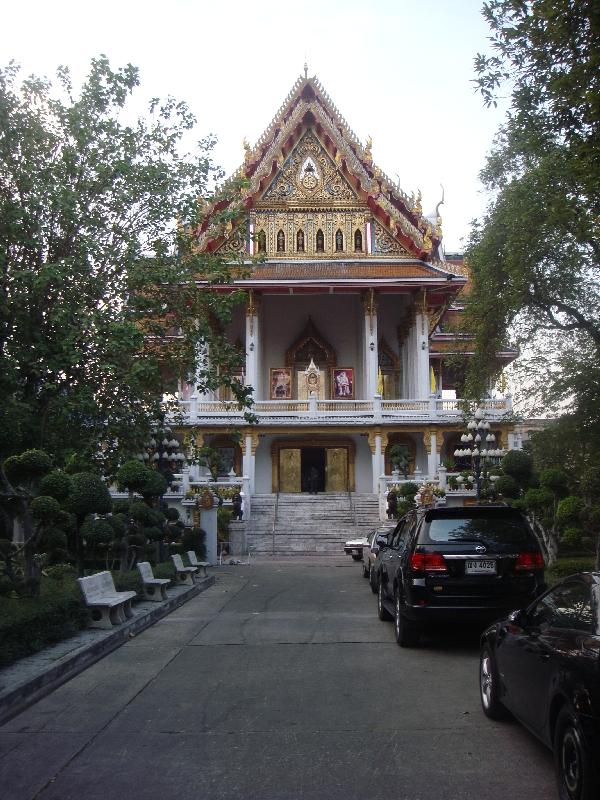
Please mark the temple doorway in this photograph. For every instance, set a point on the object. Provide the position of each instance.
(312, 469)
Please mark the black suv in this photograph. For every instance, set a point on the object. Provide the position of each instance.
(452, 563)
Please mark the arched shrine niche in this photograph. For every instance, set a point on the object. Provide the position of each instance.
(310, 346)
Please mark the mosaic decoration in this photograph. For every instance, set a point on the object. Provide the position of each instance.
(385, 245)
(309, 174)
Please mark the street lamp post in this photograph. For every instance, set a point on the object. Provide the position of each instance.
(479, 449)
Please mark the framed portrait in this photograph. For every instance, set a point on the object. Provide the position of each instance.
(281, 383)
(343, 384)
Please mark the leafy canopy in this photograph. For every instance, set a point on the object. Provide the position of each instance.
(104, 300)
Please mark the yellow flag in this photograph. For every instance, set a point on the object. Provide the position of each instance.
(380, 382)
(432, 382)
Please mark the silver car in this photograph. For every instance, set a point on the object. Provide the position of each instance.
(370, 550)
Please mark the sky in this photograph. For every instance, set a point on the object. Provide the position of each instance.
(400, 72)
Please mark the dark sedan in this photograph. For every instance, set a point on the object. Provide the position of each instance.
(543, 665)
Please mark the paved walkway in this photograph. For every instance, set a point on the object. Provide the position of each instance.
(277, 682)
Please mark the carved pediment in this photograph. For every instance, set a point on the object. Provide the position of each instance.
(309, 175)
(386, 245)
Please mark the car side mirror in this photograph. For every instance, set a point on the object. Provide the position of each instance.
(518, 618)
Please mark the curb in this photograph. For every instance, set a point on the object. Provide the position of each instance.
(22, 695)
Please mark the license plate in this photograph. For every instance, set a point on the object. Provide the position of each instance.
(480, 567)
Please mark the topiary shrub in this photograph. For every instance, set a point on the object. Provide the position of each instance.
(507, 486)
(56, 484)
(569, 511)
(27, 467)
(518, 465)
(121, 507)
(171, 514)
(45, 509)
(555, 480)
(194, 539)
(154, 485)
(132, 475)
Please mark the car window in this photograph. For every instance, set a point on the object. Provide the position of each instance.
(490, 530)
(566, 606)
(397, 534)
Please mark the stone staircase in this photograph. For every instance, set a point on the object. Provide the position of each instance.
(288, 524)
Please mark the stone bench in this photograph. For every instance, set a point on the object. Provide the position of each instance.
(108, 606)
(200, 565)
(184, 574)
(155, 589)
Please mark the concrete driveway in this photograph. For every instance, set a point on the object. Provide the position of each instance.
(277, 682)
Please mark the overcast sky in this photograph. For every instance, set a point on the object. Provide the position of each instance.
(400, 72)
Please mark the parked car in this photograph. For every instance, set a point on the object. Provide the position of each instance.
(375, 539)
(354, 547)
(543, 665)
(473, 562)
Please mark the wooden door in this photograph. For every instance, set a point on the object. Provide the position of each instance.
(289, 469)
(336, 469)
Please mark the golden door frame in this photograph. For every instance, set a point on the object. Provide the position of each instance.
(312, 441)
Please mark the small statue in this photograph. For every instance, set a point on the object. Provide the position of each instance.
(427, 243)
(368, 148)
(418, 206)
(236, 504)
(247, 151)
(392, 504)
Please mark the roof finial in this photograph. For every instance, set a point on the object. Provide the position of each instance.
(305, 70)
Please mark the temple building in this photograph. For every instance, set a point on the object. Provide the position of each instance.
(350, 326)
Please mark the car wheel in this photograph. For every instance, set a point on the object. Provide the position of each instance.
(382, 611)
(489, 685)
(356, 557)
(577, 778)
(372, 579)
(407, 632)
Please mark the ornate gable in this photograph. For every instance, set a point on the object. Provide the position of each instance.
(309, 161)
(308, 176)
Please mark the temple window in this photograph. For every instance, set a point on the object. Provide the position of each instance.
(280, 242)
(300, 241)
(339, 240)
(261, 241)
(357, 240)
(320, 241)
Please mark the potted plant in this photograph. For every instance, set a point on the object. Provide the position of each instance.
(399, 459)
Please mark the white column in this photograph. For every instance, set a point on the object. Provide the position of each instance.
(249, 463)
(511, 440)
(377, 463)
(432, 456)
(422, 355)
(252, 346)
(370, 346)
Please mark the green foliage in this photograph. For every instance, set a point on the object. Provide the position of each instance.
(569, 511)
(507, 486)
(534, 255)
(408, 490)
(132, 475)
(224, 516)
(45, 509)
(194, 539)
(565, 566)
(97, 531)
(555, 480)
(89, 496)
(91, 255)
(540, 501)
(518, 465)
(572, 537)
(121, 507)
(172, 514)
(590, 483)
(27, 467)
(118, 523)
(52, 539)
(154, 485)
(56, 484)
(28, 625)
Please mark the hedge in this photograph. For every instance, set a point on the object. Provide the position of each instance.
(27, 625)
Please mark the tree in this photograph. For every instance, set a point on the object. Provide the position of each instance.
(104, 299)
(535, 255)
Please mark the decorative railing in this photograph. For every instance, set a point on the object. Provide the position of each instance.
(432, 408)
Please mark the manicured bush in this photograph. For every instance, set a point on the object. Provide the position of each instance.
(132, 475)
(556, 480)
(89, 496)
(56, 484)
(507, 486)
(194, 539)
(565, 566)
(569, 511)
(518, 465)
(27, 625)
(27, 466)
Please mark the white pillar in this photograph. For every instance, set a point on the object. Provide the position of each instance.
(252, 346)
(511, 440)
(249, 463)
(208, 523)
(377, 462)
(432, 456)
(370, 345)
(422, 355)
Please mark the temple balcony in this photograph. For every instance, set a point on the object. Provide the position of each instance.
(434, 409)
